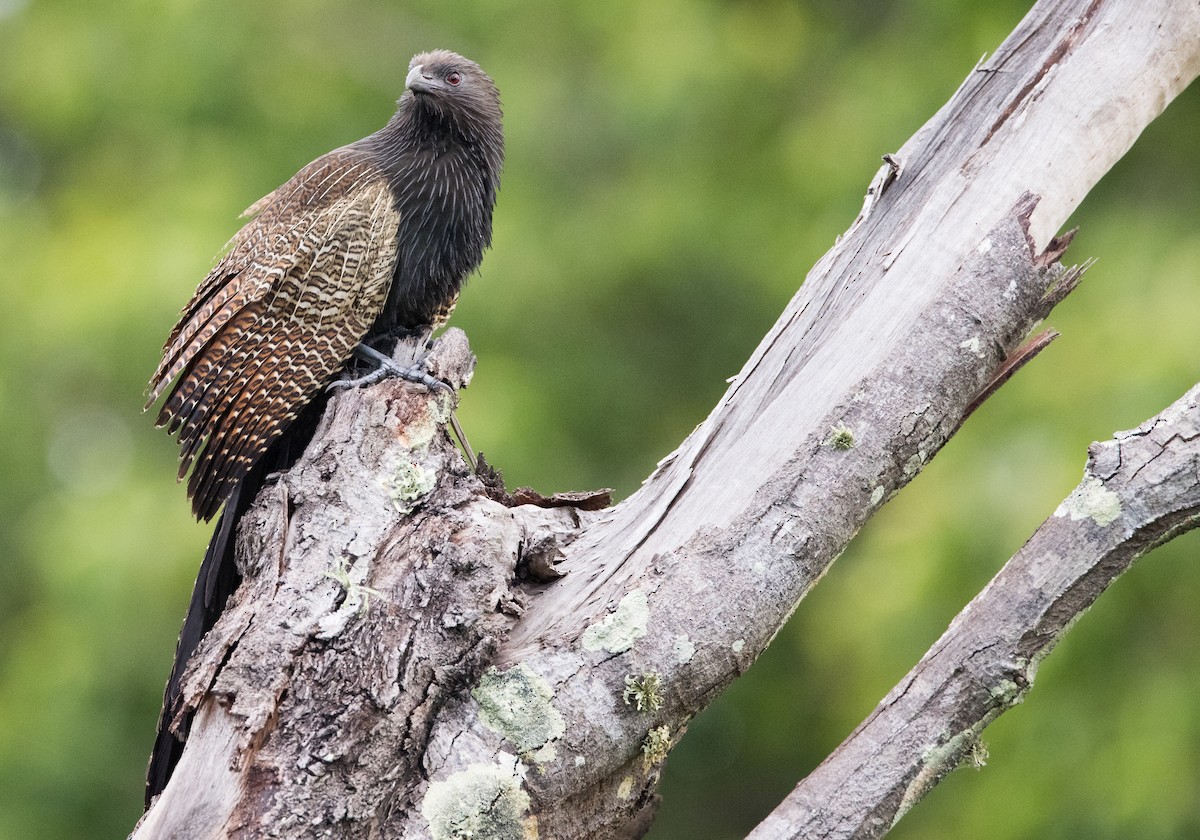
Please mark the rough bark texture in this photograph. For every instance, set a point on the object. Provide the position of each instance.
(378, 578)
(1139, 490)
(436, 713)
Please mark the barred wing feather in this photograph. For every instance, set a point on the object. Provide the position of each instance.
(276, 318)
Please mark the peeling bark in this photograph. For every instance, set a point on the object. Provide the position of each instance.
(399, 661)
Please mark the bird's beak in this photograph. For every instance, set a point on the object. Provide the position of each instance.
(417, 81)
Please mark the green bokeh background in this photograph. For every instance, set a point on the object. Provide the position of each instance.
(674, 169)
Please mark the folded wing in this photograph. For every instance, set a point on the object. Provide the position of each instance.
(298, 288)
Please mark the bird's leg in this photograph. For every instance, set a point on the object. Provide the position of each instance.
(385, 368)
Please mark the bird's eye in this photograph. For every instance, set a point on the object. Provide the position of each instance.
(454, 77)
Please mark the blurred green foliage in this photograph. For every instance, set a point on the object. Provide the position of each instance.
(674, 169)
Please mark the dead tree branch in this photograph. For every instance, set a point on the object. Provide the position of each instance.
(382, 672)
(1138, 491)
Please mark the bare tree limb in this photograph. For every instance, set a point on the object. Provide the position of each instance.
(1042, 120)
(1139, 490)
(435, 712)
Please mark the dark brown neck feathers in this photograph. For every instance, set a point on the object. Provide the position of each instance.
(442, 157)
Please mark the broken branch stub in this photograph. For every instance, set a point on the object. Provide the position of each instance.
(378, 581)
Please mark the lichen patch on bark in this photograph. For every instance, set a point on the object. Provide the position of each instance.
(516, 705)
(481, 801)
(1091, 500)
(407, 483)
(683, 649)
(618, 630)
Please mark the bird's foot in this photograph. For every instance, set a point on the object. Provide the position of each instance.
(385, 367)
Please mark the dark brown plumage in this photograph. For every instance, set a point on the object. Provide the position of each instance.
(368, 241)
(374, 236)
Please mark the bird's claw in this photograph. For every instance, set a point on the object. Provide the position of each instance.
(385, 367)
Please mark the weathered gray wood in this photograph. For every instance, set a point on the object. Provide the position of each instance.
(437, 713)
(1139, 490)
(377, 582)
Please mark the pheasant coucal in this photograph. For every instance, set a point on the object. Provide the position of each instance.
(365, 243)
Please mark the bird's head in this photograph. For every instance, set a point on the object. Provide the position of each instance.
(445, 81)
(448, 101)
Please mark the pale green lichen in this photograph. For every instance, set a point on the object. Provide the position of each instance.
(407, 484)
(1091, 500)
(1007, 693)
(355, 590)
(683, 649)
(976, 756)
(738, 645)
(357, 600)
(617, 632)
(937, 761)
(656, 746)
(441, 409)
(544, 754)
(516, 705)
(841, 437)
(480, 802)
(645, 692)
(914, 463)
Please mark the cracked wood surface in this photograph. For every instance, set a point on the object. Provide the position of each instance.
(463, 701)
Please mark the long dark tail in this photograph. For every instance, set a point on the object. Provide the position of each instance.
(217, 580)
